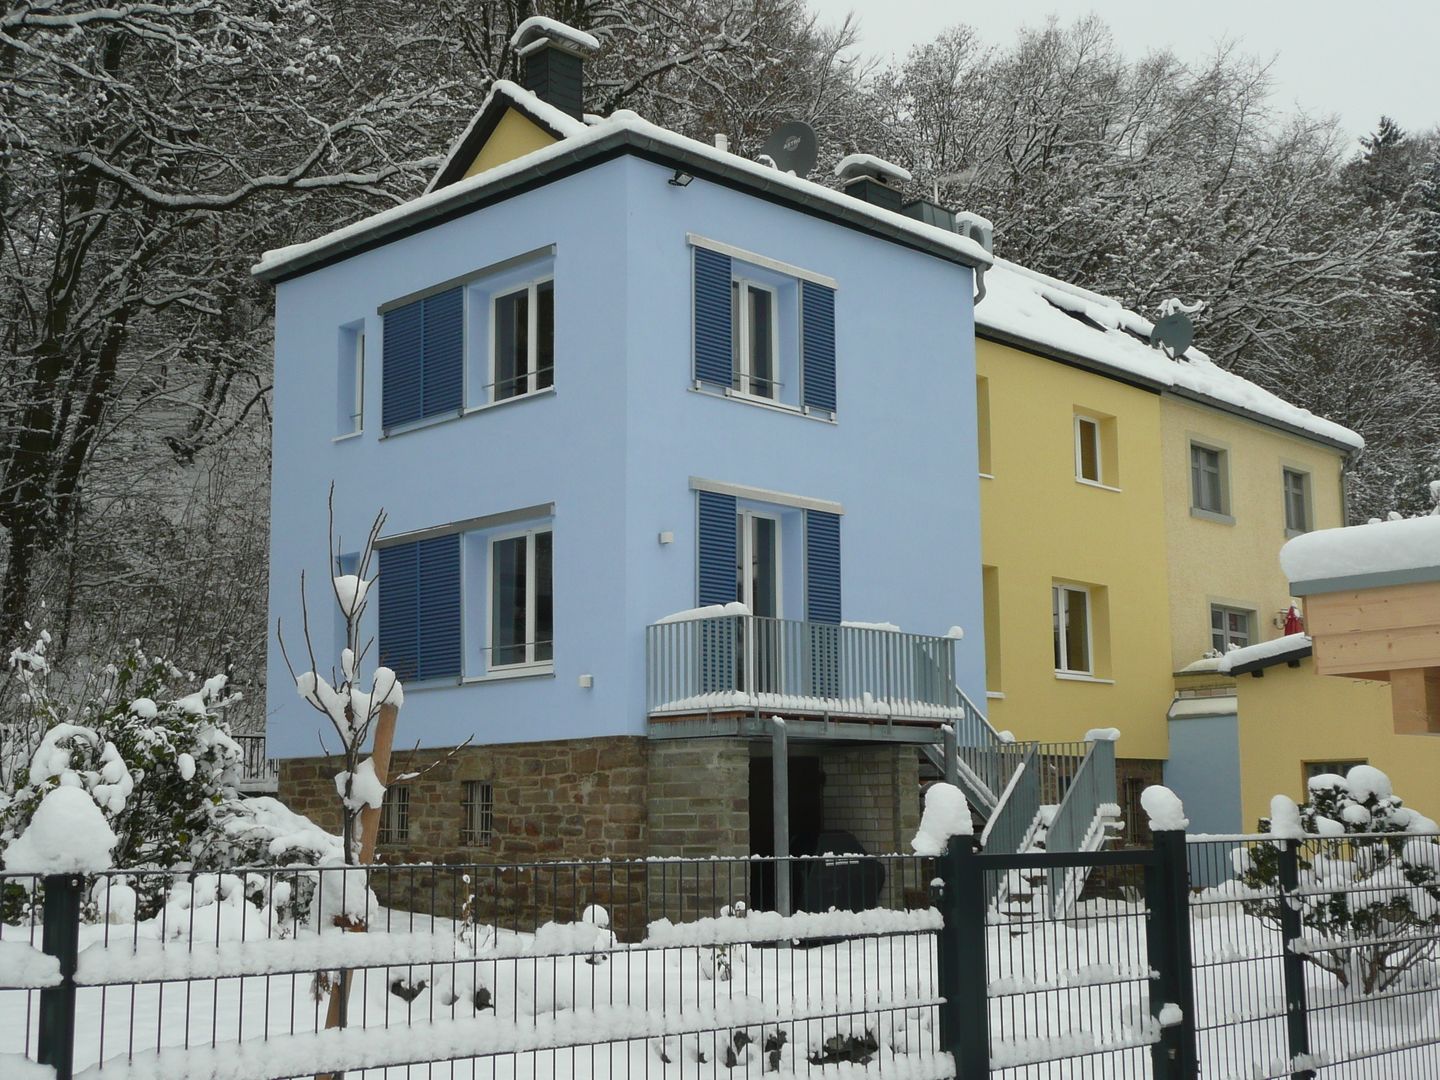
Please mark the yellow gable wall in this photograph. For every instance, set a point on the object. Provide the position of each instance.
(1235, 564)
(514, 136)
(1040, 525)
(1293, 715)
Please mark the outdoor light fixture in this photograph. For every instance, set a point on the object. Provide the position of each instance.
(681, 178)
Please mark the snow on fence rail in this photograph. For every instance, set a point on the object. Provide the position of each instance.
(539, 970)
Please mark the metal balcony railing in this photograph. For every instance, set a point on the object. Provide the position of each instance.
(747, 662)
(257, 771)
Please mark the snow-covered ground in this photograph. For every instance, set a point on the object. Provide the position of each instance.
(571, 1002)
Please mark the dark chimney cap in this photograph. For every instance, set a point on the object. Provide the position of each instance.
(538, 31)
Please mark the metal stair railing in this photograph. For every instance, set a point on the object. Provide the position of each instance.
(1080, 823)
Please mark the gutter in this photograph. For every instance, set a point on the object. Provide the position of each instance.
(558, 165)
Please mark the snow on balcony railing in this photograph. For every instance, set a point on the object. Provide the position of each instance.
(748, 662)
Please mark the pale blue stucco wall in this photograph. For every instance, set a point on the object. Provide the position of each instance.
(1204, 770)
(616, 444)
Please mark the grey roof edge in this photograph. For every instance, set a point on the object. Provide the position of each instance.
(558, 165)
(1099, 367)
(1287, 657)
(1375, 580)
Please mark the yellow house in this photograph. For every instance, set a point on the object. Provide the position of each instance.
(1133, 505)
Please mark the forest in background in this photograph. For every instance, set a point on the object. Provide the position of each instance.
(149, 153)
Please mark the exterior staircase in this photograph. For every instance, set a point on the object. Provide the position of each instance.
(1033, 796)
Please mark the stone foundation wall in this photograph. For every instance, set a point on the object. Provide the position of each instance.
(699, 806)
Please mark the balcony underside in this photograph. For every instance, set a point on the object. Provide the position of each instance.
(755, 723)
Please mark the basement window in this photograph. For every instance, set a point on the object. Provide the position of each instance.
(395, 817)
(477, 814)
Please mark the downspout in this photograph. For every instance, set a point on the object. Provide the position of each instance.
(979, 285)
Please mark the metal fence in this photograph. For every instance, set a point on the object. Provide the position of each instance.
(1318, 956)
(745, 661)
(654, 968)
(258, 772)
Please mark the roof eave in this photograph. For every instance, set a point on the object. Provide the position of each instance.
(1288, 657)
(556, 166)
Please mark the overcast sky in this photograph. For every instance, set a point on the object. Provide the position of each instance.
(1352, 60)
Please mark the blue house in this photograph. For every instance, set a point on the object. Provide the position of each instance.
(670, 443)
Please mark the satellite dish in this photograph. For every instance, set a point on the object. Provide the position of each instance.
(1174, 333)
(792, 148)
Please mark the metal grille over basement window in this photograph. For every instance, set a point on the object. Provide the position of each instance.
(477, 814)
(395, 816)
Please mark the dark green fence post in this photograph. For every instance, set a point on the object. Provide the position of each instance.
(60, 938)
(1167, 895)
(965, 1016)
(1297, 1019)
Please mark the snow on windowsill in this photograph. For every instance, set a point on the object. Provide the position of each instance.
(349, 435)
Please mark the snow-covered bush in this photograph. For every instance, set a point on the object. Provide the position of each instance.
(156, 762)
(1369, 878)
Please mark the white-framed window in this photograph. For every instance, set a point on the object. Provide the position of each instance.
(477, 813)
(350, 397)
(1088, 454)
(1297, 501)
(1207, 479)
(1070, 617)
(395, 816)
(755, 338)
(522, 610)
(1230, 627)
(522, 339)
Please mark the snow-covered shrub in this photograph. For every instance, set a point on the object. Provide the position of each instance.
(1369, 873)
(156, 762)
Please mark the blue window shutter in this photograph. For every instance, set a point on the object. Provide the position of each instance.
(399, 622)
(817, 303)
(716, 577)
(713, 359)
(822, 566)
(442, 385)
(438, 606)
(400, 371)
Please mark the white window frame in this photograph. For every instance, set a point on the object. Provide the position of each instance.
(1061, 607)
(746, 553)
(1227, 610)
(741, 332)
(532, 337)
(357, 415)
(529, 663)
(1099, 478)
(1286, 472)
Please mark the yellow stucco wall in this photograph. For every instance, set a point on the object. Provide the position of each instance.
(1040, 525)
(1293, 715)
(1235, 564)
(514, 136)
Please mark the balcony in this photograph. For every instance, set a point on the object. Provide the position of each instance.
(733, 667)
(259, 775)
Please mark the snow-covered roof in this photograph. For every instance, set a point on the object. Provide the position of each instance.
(1190, 708)
(1266, 653)
(622, 130)
(503, 93)
(1379, 553)
(1022, 306)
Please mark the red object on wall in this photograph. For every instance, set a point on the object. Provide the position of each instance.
(1294, 624)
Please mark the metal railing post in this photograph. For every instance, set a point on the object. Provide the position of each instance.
(952, 755)
(1297, 1019)
(780, 792)
(1167, 920)
(962, 975)
(60, 938)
